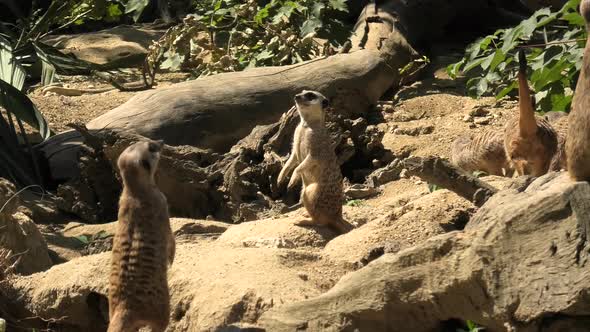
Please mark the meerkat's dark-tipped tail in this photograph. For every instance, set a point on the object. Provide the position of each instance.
(522, 64)
(527, 122)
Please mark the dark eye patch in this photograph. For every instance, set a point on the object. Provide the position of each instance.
(153, 147)
(310, 96)
(146, 164)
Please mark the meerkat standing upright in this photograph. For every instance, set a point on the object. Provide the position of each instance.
(143, 246)
(578, 135)
(314, 161)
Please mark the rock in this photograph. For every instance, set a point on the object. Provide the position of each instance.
(213, 284)
(119, 47)
(482, 121)
(521, 265)
(360, 191)
(78, 239)
(19, 234)
(385, 174)
(405, 116)
(479, 111)
(276, 233)
(414, 131)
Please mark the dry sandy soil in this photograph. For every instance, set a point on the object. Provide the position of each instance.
(288, 263)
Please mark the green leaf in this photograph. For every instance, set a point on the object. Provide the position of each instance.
(453, 69)
(82, 238)
(22, 107)
(493, 60)
(310, 26)
(172, 62)
(47, 73)
(474, 64)
(261, 15)
(339, 5)
(316, 10)
(433, 187)
(136, 7)
(506, 90)
(113, 12)
(10, 70)
(574, 19)
(548, 74)
(264, 55)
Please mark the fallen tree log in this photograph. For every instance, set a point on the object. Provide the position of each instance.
(217, 111)
(446, 175)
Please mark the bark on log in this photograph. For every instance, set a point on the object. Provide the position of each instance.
(215, 112)
(444, 174)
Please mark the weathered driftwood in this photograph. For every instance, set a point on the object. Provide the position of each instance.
(215, 112)
(444, 174)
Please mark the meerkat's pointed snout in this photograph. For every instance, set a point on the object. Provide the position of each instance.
(527, 122)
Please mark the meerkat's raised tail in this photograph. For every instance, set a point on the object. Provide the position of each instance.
(527, 122)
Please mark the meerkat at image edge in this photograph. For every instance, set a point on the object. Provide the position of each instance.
(143, 246)
(578, 135)
(314, 161)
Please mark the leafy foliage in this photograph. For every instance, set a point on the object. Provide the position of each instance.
(491, 62)
(20, 51)
(231, 35)
(355, 202)
(472, 327)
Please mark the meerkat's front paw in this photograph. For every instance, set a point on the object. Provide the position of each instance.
(292, 182)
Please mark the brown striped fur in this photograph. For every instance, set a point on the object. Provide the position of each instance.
(314, 161)
(483, 151)
(578, 135)
(143, 246)
(560, 123)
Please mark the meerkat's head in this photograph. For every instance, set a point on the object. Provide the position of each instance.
(311, 105)
(140, 161)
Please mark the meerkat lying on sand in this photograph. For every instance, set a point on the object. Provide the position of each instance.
(314, 161)
(483, 151)
(143, 246)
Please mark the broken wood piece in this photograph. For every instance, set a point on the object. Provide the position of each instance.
(444, 174)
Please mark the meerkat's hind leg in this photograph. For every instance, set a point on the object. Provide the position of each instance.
(308, 197)
(122, 322)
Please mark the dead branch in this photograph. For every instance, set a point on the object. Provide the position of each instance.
(442, 173)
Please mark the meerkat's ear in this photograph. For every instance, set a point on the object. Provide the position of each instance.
(325, 103)
(155, 146)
